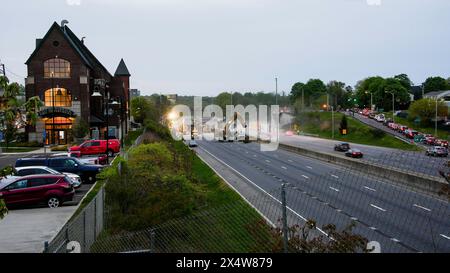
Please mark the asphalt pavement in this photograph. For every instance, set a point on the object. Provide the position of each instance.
(401, 220)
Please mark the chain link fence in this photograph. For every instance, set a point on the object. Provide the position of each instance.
(79, 233)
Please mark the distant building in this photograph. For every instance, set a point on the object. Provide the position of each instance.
(440, 95)
(172, 98)
(135, 93)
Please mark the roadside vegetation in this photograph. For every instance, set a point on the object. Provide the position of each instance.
(319, 123)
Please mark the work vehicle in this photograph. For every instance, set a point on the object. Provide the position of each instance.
(91, 147)
(354, 153)
(87, 172)
(52, 189)
(437, 151)
(32, 170)
(342, 147)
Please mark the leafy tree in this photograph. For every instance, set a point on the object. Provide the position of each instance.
(404, 80)
(222, 100)
(80, 128)
(337, 93)
(296, 92)
(425, 109)
(435, 84)
(314, 89)
(8, 170)
(367, 86)
(383, 95)
(141, 108)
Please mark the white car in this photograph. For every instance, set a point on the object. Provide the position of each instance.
(86, 160)
(380, 118)
(23, 171)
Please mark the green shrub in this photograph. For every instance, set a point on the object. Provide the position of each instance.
(59, 148)
(377, 133)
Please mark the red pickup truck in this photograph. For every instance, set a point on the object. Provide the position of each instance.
(91, 147)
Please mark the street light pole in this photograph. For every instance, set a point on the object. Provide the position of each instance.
(276, 90)
(435, 120)
(332, 122)
(53, 114)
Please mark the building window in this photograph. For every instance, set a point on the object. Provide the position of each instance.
(59, 96)
(56, 68)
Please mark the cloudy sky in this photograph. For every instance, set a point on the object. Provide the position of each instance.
(204, 47)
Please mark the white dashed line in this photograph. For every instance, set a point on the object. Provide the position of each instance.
(395, 240)
(268, 161)
(446, 237)
(290, 160)
(254, 156)
(420, 207)
(334, 189)
(373, 228)
(305, 176)
(309, 167)
(370, 189)
(335, 176)
(354, 219)
(283, 167)
(383, 210)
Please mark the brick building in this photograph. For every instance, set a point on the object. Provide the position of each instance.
(73, 83)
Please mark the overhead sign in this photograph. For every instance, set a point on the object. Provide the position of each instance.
(51, 111)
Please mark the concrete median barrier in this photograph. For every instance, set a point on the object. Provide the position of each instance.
(423, 183)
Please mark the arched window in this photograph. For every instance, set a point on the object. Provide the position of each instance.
(56, 68)
(60, 96)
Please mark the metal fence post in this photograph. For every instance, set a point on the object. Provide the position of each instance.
(152, 240)
(46, 247)
(95, 217)
(285, 226)
(84, 230)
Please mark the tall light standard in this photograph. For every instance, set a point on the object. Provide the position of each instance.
(371, 99)
(52, 135)
(106, 102)
(436, 117)
(276, 90)
(327, 107)
(393, 105)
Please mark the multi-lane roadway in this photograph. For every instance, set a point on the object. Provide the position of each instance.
(401, 220)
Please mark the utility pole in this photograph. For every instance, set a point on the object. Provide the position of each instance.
(3, 69)
(276, 90)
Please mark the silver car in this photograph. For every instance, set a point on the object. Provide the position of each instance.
(23, 171)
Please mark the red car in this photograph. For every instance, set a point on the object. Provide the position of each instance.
(441, 142)
(34, 189)
(92, 147)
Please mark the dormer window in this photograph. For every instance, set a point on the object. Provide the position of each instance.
(56, 68)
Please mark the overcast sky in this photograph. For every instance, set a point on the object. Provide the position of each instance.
(204, 47)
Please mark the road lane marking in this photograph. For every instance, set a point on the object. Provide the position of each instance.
(309, 167)
(305, 176)
(254, 156)
(268, 161)
(446, 237)
(290, 160)
(370, 189)
(354, 219)
(395, 240)
(335, 176)
(420, 207)
(383, 210)
(334, 189)
(373, 228)
(283, 167)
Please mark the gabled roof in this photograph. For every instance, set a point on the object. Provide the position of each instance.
(86, 56)
(437, 94)
(122, 69)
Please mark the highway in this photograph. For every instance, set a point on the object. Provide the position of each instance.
(401, 220)
(406, 160)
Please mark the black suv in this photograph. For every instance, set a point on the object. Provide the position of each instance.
(342, 147)
(87, 172)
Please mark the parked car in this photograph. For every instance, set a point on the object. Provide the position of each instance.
(342, 147)
(429, 140)
(88, 159)
(419, 138)
(387, 121)
(289, 133)
(54, 190)
(87, 172)
(394, 126)
(441, 142)
(92, 147)
(411, 133)
(32, 170)
(354, 153)
(402, 128)
(437, 151)
(192, 143)
(380, 118)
